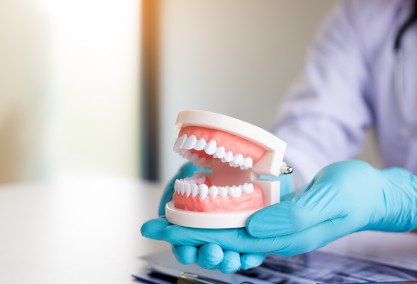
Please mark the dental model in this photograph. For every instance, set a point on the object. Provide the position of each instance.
(237, 153)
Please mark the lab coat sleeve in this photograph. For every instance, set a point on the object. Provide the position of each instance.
(326, 114)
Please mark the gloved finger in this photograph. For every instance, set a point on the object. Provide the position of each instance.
(399, 175)
(187, 170)
(312, 238)
(188, 255)
(229, 239)
(185, 254)
(209, 256)
(230, 263)
(239, 240)
(288, 217)
(153, 229)
(250, 260)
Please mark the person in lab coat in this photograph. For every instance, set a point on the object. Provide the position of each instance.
(361, 72)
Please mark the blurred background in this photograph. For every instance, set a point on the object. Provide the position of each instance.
(93, 87)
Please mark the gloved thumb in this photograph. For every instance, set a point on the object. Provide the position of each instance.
(153, 229)
(289, 217)
(271, 221)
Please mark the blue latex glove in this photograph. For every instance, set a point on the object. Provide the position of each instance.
(209, 256)
(343, 198)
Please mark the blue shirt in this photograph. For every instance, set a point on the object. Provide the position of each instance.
(349, 85)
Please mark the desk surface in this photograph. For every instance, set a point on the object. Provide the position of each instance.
(82, 230)
(86, 230)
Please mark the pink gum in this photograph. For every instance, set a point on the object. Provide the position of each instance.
(229, 141)
(250, 201)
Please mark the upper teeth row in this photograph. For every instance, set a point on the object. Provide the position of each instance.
(187, 143)
(188, 187)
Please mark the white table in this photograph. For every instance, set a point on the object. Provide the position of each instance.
(86, 230)
(75, 230)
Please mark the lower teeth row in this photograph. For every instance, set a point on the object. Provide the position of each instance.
(192, 187)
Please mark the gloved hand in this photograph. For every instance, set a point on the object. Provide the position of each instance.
(208, 256)
(343, 198)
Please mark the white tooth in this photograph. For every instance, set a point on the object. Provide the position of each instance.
(190, 142)
(182, 187)
(237, 159)
(220, 151)
(213, 191)
(194, 190)
(187, 189)
(235, 191)
(202, 186)
(180, 142)
(247, 163)
(210, 147)
(200, 144)
(223, 191)
(251, 188)
(227, 157)
(247, 188)
(203, 191)
(177, 184)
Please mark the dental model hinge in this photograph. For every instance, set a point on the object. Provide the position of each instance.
(286, 169)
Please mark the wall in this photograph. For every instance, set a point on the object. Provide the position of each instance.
(69, 95)
(23, 53)
(93, 89)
